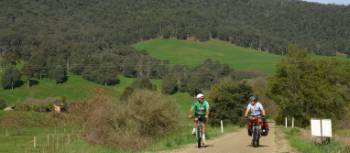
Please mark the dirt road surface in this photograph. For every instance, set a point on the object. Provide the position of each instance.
(239, 142)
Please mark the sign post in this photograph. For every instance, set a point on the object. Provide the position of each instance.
(286, 122)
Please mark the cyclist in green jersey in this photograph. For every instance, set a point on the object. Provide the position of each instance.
(199, 110)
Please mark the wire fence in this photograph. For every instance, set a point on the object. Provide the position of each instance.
(42, 143)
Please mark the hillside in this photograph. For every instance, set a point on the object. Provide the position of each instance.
(194, 53)
(264, 25)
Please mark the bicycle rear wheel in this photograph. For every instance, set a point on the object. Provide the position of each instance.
(199, 135)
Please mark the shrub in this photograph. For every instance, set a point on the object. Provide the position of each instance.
(156, 114)
(228, 100)
(143, 83)
(169, 85)
(127, 93)
(130, 124)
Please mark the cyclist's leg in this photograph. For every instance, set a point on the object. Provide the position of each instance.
(203, 127)
(195, 122)
(194, 125)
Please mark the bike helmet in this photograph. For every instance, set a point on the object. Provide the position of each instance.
(252, 98)
(199, 96)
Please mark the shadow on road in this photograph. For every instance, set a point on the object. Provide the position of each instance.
(206, 146)
(260, 146)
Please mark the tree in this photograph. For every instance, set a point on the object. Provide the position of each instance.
(169, 85)
(143, 83)
(228, 100)
(58, 73)
(103, 74)
(11, 78)
(28, 73)
(307, 88)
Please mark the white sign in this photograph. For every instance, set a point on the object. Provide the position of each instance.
(321, 128)
(327, 128)
(316, 127)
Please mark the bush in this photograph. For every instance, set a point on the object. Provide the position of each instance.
(228, 100)
(2, 104)
(130, 124)
(127, 93)
(143, 83)
(156, 114)
(169, 85)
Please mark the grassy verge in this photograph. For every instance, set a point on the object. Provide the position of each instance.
(307, 146)
(47, 140)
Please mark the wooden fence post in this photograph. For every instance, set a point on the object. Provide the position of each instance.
(34, 142)
(286, 122)
(222, 127)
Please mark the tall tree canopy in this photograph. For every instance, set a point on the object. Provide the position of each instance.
(311, 88)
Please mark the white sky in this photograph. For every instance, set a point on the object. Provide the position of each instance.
(344, 2)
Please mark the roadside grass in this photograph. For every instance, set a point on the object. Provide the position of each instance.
(48, 140)
(307, 146)
(193, 53)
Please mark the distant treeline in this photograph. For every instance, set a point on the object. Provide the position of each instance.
(90, 37)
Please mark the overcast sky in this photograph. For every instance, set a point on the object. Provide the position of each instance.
(346, 2)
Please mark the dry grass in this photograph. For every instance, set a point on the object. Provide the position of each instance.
(131, 124)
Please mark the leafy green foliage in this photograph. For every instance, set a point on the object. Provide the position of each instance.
(201, 77)
(228, 100)
(310, 88)
(141, 83)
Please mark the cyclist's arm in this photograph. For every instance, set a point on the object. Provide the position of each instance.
(190, 112)
(262, 110)
(207, 110)
(247, 111)
(207, 114)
